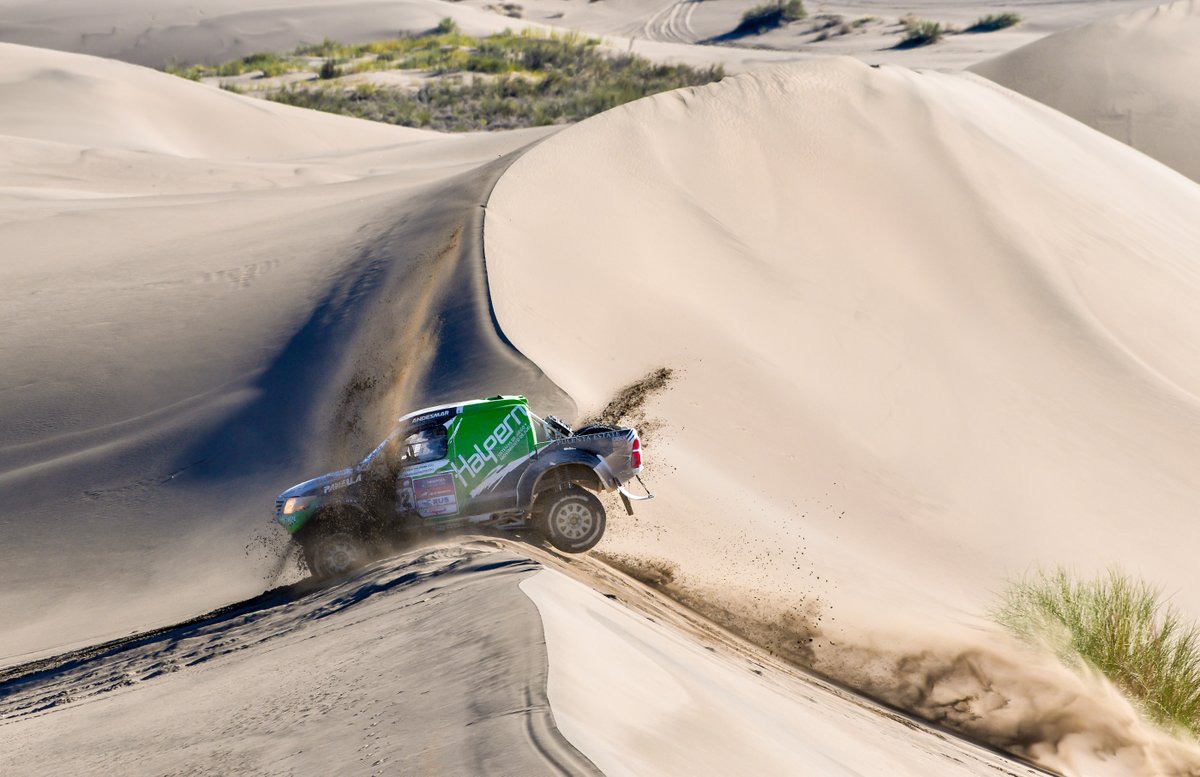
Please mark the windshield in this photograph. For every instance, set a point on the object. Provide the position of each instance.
(429, 444)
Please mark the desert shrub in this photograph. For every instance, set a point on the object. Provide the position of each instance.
(328, 48)
(519, 80)
(191, 73)
(268, 64)
(920, 32)
(329, 69)
(793, 10)
(768, 16)
(993, 22)
(446, 26)
(1121, 626)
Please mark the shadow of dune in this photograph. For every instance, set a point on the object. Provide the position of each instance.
(408, 324)
(145, 520)
(40, 685)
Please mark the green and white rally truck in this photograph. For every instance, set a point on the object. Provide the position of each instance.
(488, 462)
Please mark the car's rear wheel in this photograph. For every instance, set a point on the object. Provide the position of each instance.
(570, 519)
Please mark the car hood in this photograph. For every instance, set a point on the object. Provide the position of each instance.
(317, 485)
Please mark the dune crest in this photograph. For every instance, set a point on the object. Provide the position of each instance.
(114, 105)
(1133, 77)
(925, 334)
(207, 299)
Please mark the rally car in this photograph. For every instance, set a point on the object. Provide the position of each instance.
(487, 462)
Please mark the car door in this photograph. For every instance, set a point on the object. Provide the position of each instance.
(426, 482)
(486, 453)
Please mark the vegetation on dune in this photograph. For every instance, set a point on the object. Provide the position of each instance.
(329, 70)
(267, 64)
(768, 16)
(920, 32)
(993, 22)
(499, 82)
(1122, 627)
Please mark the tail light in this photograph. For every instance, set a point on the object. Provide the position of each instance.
(635, 455)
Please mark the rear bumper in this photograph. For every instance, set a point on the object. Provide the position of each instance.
(628, 497)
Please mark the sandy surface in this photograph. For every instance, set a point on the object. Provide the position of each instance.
(639, 697)
(926, 333)
(896, 317)
(432, 664)
(437, 662)
(208, 304)
(213, 31)
(648, 22)
(1132, 77)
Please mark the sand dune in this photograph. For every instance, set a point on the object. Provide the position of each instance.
(715, 708)
(927, 334)
(115, 106)
(372, 676)
(174, 31)
(170, 31)
(1132, 77)
(874, 32)
(187, 335)
(436, 662)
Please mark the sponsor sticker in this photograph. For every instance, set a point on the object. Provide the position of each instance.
(417, 470)
(343, 483)
(435, 495)
(434, 416)
(496, 447)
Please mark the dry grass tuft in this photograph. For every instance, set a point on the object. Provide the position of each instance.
(1121, 626)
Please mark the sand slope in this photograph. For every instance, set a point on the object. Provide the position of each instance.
(189, 335)
(874, 27)
(640, 695)
(115, 106)
(175, 31)
(437, 662)
(434, 664)
(1132, 77)
(927, 334)
(180, 31)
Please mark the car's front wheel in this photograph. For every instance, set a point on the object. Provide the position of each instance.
(336, 553)
(571, 520)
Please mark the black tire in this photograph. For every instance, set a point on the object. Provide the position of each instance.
(335, 551)
(571, 520)
(595, 429)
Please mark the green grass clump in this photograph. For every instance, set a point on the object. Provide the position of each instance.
(1122, 627)
(328, 48)
(266, 63)
(190, 72)
(921, 32)
(768, 16)
(993, 22)
(503, 81)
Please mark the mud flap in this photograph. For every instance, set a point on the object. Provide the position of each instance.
(625, 501)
